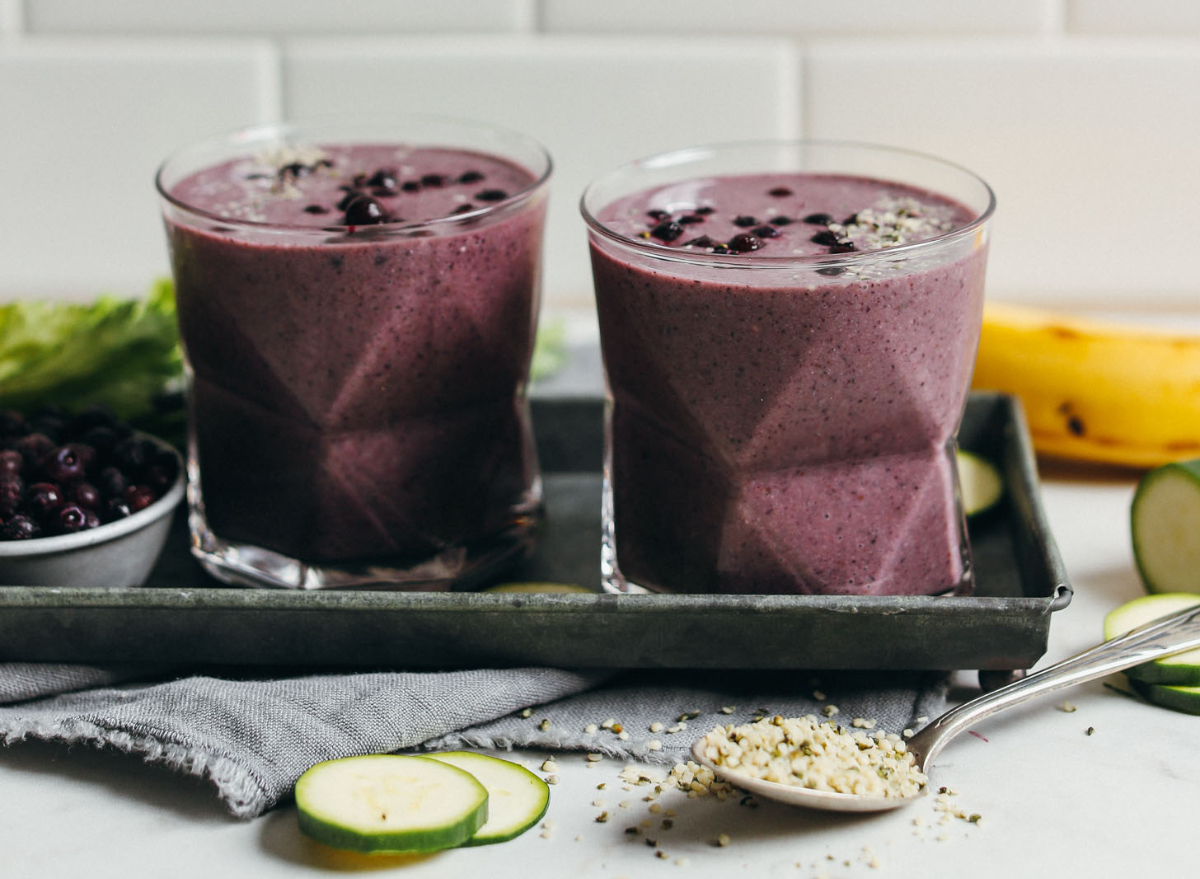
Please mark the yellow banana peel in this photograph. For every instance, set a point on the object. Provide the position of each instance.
(1095, 390)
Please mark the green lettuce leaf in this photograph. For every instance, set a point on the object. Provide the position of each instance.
(120, 352)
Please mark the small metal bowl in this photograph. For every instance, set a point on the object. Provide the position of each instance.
(115, 555)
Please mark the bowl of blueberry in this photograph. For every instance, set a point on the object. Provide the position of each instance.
(84, 499)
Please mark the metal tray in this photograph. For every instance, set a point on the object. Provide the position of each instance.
(184, 617)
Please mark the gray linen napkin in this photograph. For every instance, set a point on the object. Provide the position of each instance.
(254, 737)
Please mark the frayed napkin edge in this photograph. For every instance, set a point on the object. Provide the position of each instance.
(236, 787)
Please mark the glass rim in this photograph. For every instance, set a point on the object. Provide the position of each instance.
(266, 132)
(686, 154)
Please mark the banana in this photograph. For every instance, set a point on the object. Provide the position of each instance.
(1094, 390)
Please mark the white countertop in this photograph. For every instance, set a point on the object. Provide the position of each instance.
(1054, 801)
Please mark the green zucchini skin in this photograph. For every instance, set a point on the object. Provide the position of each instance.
(1189, 473)
(1186, 699)
(1183, 669)
(327, 830)
(516, 775)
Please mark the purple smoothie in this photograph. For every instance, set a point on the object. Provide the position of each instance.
(786, 427)
(358, 322)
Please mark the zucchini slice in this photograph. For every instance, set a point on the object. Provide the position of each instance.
(1165, 522)
(388, 803)
(1178, 698)
(980, 483)
(517, 799)
(1182, 668)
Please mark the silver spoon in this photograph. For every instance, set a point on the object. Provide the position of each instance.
(1171, 634)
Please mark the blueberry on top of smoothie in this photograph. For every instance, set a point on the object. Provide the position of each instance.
(689, 219)
(781, 221)
(765, 231)
(819, 219)
(464, 208)
(365, 211)
(470, 177)
(745, 221)
(826, 238)
(384, 177)
(704, 210)
(411, 186)
(434, 180)
(316, 209)
(668, 231)
(658, 214)
(779, 192)
(842, 247)
(745, 242)
(702, 241)
(491, 195)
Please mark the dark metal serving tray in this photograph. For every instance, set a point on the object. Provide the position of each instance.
(182, 616)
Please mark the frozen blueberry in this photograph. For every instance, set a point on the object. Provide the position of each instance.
(20, 528)
(42, 499)
(411, 186)
(138, 497)
(779, 192)
(491, 195)
(133, 455)
(819, 219)
(344, 201)
(470, 176)
(842, 247)
(434, 180)
(782, 221)
(11, 463)
(667, 231)
(704, 210)
(33, 447)
(384, 178)
(365, 211)
(12, 493)
(689, 219)
(464, 208)
(114, 509)
(702, 241)
(83, 494)
(69, 519)
(825, 239)
(316, 209)
(745, 242)
(658, 214)
(745, 221)
(765, 231)
(111, 482)
(67, 463)
(831, 271)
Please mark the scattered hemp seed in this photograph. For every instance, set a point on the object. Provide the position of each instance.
(651, 842)
(804, 752)
(549, 765)
(975, 818)
(819, 695)
(632, 831)
(728, 709)
(908, 733)
(608, 724)
(591, 729)
(602, 785)
(722, 841)
(681, 862)
(626, 804)
(654, 745)
(528, 712)
(830, 710)
(671, 730)
(599, 803)
(544, 725)
(623, 736)
(1068, 707)
(595, 758)
(656, 727)
(667, 824)
(655, 808)
(661, 854)
(602, 818)
(689, 715)
(551, 779)
(1089, 731)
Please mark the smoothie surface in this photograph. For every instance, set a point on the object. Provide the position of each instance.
(784, 214)
(311, 186)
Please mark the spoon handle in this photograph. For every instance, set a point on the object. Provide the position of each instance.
(1171, 634)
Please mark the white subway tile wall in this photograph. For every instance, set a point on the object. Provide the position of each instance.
(85, 126)
(274, 17)
(1081, 113)
(562, 91)
(1121, 17)
(801, 18)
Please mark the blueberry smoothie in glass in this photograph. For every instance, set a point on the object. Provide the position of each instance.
(357, 312)
(788, 334)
